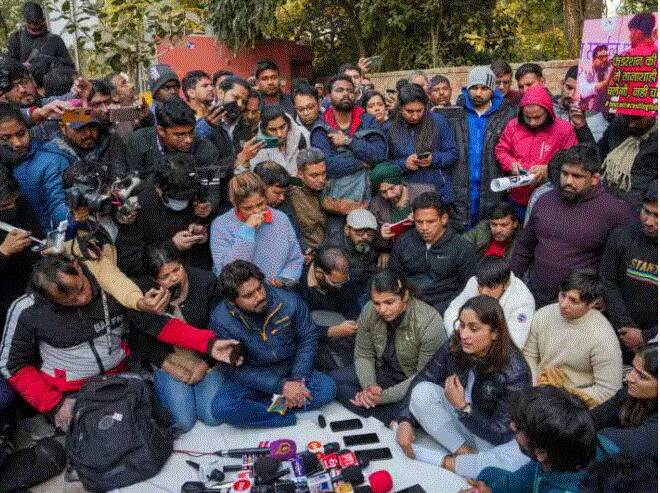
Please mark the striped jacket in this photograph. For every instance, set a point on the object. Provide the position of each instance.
(48, 350)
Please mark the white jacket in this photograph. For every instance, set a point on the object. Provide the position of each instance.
(517, 302)
(294, 142)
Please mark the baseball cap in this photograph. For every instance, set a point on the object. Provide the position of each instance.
(362, 219)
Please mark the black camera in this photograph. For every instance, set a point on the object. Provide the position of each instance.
(123, 192)
(86, 192)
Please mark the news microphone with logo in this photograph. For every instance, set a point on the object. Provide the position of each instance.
(278, 449)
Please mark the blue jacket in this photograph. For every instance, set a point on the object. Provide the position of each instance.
(39, 176)
(443, 149)
(531, 478)
(277, 345)
(476, 136)
(368, 146)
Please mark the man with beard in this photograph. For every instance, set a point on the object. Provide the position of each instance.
(484, 115)
(34, 39)
(528, 142)
(630, 273)
(593, 82)
(391, 202)
(352, 141)
(566, 108)
(568, 227)
(440, 92)
(279, 343)
(437, 261)
(557, 433)
(329, 292)
(359, 242)
(629, 148)
(91, 141)
(37, 167)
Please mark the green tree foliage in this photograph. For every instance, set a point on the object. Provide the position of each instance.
(127, 32)
(422, 33)
(241, 22)
(10, 19)
(637, 6)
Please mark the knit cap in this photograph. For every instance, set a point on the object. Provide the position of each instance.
(159, 75)
(385, 173)
(481, 76)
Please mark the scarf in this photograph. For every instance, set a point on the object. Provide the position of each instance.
(356, 113)
(619, 162)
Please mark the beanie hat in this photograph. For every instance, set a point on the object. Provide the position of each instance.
(159, 75)
(385, 173)
(32, 12)
(483, 76)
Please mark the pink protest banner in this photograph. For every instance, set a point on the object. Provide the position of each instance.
(618, 67)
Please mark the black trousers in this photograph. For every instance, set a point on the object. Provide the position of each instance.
(348, 385)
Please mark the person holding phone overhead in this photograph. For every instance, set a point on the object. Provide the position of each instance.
(421, 142)
(254, 232)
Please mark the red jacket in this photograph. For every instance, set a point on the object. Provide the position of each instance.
(531, 147)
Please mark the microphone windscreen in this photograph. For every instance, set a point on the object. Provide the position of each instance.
(310, 463)
(331, 448)
(265, 466)
(353, 474)
(283, 449)
(381, 482)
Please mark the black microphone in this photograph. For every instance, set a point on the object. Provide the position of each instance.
(264, 468)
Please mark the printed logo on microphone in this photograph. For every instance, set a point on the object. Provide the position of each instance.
(348, 458)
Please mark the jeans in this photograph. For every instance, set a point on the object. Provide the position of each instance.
(438, 417)
(188, 403)
(348, 385)
(6, 395)
(244, 407)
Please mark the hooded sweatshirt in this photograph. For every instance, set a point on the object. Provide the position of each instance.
(528, 147)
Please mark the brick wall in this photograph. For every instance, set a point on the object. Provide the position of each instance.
(554, 72)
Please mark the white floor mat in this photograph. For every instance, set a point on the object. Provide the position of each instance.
(405, 472)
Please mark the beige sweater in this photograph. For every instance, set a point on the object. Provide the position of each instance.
(586, 350)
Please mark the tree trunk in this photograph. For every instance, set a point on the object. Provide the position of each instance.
(353, 15)
(435, 41)
(573, 19)
(593, 9)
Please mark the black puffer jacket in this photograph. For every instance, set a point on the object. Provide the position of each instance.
(460, 173)
(489, 417)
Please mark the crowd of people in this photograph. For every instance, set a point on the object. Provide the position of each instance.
(349, 245)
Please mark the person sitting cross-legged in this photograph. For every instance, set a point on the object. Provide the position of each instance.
(397, 335)
(279, 346)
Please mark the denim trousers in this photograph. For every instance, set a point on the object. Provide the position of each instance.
(244, 407)
(188, 403)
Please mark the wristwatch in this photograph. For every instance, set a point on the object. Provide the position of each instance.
(465, 410)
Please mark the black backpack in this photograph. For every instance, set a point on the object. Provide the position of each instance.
(118, 435)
